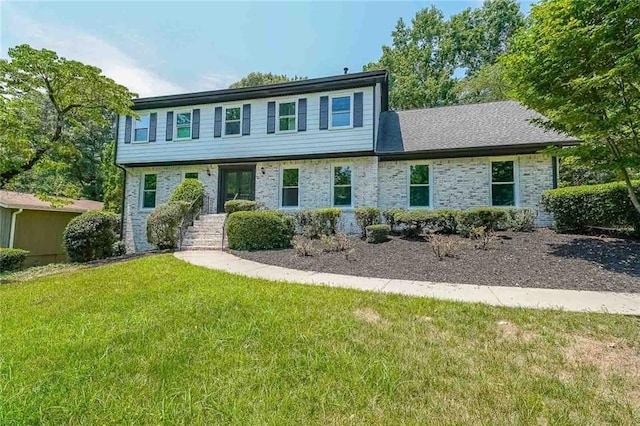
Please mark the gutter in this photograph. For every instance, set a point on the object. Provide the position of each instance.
(12, 233)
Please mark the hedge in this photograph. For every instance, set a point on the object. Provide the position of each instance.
(366, 216)
(11, 259)
(91, 236)
(317, 222)
(233, 206)
(416, 221)
(389, 217)
(190, 191)
(377, 233)
(259, 230)
(490, 218)
(577, 208)
(163, 224)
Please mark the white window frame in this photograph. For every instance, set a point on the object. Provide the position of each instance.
(142, 192)
(295, 115)
(184, 174)
(282, 187)
(135, 122)
(343, 95)
(333, 186)
(516, 180)
(224, 121)
(430, 184)
(175, 125)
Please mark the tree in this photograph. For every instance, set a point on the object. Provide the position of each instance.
(45, 102)
(488, 84)
(577, 62)
(112, 186)
(260, 79)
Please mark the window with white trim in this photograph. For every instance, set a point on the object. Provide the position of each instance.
(286, 116)
(191, 175)
(141, 129)
(342, 196)
(340, 111)
(149, 186)
(290, 187)
(419, 188)
(232, 120)
(503, 183)
(183, 125)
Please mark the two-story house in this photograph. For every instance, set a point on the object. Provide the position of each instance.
(330, 142)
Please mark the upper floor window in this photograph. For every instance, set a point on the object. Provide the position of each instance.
(290, 187)
(341, 111)
(183, 125)
(149, 186)
(232, 119)
(419, 185)
(342, 186)
(286, 116)
(141, 129)
(191, 175)
(503, 183)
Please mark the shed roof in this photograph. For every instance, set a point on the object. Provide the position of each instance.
(19, 200)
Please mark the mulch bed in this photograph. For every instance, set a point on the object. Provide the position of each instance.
(541, 259)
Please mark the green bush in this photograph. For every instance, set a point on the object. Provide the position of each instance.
(11, 259)
(491, 218)
(521, 220)
(377, 233)
(259, 230)
(447, 221)
(190, 191)
(366, 216)
(317, 222)
(416, 221)
(163, 224)
(118, 248)
(389, 217)
(233, 206)
(91, 235)
(577, 208)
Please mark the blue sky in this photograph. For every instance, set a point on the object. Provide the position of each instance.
(161, 47)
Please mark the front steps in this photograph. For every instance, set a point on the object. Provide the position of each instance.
(205, 233)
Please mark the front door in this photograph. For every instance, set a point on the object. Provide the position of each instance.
(236, 183)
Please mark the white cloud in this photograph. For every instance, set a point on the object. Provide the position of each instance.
(86, 48)
(216, 81)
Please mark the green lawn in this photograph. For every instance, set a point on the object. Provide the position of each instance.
(156, 340)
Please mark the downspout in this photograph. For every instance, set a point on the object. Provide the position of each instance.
(124, 176)
(12, 234)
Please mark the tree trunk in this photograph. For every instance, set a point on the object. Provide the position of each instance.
(632, 193)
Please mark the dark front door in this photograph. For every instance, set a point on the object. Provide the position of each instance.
(237, 182)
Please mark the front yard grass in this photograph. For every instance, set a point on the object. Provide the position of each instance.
(155, 340)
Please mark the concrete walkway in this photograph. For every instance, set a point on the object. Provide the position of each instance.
(568, 300)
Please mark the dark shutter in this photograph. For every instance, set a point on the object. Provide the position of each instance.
(357, 109)
(324, 112)
(271, 117)
(127, 130)
(217, 122)
(153, 125)
(246, 119)
(169, 135)
(302, 114)
(195, 124)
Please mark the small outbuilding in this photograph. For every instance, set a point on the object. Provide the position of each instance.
(29, 223)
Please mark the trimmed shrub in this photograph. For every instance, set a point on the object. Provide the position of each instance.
(90, 236)
(389, 217)
(259, 230)
(233, 206)
(416, 221)
(577, 208)
(189, 191)
(118, 248)
(11, 259)
(447, 221)
(377, 233)
(366, 216)
(491, 218)
(317, 222)
(521, 220)
(163, 224)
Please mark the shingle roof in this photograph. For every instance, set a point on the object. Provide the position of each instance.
(460, 127)
(19, 200)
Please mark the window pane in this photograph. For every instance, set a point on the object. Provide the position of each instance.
(232, 114)
(503, 194)
(341, 104)
(342, 196)
(232, 128)
(287, 123)
(420, 174)
(288, 108)
(140, 135)
(340, 120)
(143, 122)
(191, 175)
(150, 182)
(183, 132)
(149, 199)
(502, 171)
(342, 175)
(289, 197)
(290, 177)
(419, 196)
(183, 118)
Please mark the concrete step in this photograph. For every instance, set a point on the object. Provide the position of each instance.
(202, 247)
(201, 241)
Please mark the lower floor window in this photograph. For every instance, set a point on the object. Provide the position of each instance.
(419, 185)
(290, 187)
(149, 187)
(342, 186)
(503, 183)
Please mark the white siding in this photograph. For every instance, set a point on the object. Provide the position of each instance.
(258, 143)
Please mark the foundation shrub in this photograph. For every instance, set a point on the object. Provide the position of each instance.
(259, 230)
(366, 216)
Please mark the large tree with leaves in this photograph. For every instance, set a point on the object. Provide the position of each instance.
(578, 63)
(260, 79)
(47, 104)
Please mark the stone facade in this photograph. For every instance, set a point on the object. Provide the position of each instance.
(455, 183)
